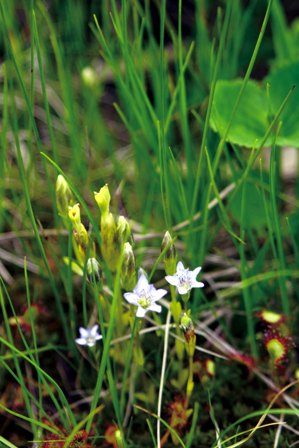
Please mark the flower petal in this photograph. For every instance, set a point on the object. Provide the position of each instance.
(94, 331)
(180, 266)
(184, 289)
(172, 279)
(141, 312)
(84, 333)
(195, 272)
(155, 307)
(131, 297)
(159, 293)
(197, 284)
(142, 285)
(80, 341)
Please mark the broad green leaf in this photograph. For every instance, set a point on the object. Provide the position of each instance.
(250, 122)
(281, 80)
(257, 108)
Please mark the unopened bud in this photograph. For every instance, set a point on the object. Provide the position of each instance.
(186, 322)
(128, 268)
(123, 229)
(93, 269)
(89, 77)
(189, 334)
(81, 236)
(64, 196)
(170, 256)
(103, 199)
(108, 237)
(80, 233)
(74, 215)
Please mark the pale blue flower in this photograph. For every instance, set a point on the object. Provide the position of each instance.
(145, 296)
(88, 336)
(184, 280)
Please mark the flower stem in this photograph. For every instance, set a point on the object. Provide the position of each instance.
(127, 367)
(166, 336)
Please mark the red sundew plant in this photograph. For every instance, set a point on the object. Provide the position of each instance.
(29, 316)
(80, 440)
(246, 360)
(271, 318)
(179, 415)
(277, 346)
(112, 436)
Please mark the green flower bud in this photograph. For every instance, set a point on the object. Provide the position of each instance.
(186, 322)
(103, 199)
(123, 229)
(89, 77)
(93, 269)
(189, 334)
(170, 255)
(64, 196)
(128, 275)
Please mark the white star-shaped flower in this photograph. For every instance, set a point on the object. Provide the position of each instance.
(183, 279)
(88, 336)
(145, 296)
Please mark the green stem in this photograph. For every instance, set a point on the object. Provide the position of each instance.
(127, 367)
(190, 383)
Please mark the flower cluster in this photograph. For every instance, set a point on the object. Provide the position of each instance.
(117, 252)
(145, 295)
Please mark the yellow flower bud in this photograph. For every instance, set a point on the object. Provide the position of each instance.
(108, 236)
(103, 199)
(74, 215)
(80, 233)
(64, 196)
